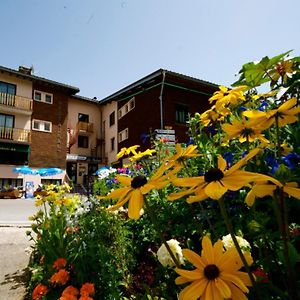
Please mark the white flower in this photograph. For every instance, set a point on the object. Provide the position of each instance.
(164, 256)
(228, 242)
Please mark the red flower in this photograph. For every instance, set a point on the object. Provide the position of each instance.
(60, 263)
(60, 277)
(87, 289)
(39, 291)
(261, 275)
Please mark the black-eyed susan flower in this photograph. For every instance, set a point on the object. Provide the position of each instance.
(183, 153)
(244, 131)
(262, 189)
(135, 188)
(212, 116)
(227, 96)
(286, 113)
(216, 276)
(139, 155)
(127, 151)
(217, 181)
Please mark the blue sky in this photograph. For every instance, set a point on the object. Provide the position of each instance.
(102, 46)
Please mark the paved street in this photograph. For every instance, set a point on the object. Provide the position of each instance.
(14, 246)
(16, 211)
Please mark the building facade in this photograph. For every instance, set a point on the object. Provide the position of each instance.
(44, 123)
(161, 100)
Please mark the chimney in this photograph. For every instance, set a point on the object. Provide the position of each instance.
(25, 70)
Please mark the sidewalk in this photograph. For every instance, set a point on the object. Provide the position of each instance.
(14, 257)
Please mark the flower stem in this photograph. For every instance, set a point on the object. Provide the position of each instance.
(236, 244)
(157, 228)
(285, 239)
(278, 152)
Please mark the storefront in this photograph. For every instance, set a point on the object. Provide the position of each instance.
(81, 169)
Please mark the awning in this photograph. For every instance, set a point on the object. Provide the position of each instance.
(14, 147)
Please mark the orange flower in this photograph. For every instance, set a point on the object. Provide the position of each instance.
(60, 277)
(39, 291)
(60, 263)
(87, 289)
(68, 297)
(85, 298)
(70, 290)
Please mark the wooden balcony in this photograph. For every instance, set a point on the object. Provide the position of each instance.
(85, 127)
(15, 134)
(15, 101)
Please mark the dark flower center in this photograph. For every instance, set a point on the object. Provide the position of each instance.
(211, 272)
(213, 174)
(138, 181)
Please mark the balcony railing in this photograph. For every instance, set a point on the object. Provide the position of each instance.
(85, 126)
(15, 134)
(16, 101)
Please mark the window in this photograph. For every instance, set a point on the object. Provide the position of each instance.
(126, 108)
(48, 98)
(40, 125)
(7, 92)
(83, 118)
(112, 119)
(181, 113)
(37, 96)
(43, 97)
(7, 88)
(6, 126)
(123, 135)
(112, 144)
(83, 141)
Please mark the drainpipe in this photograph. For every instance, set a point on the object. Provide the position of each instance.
(161, 100)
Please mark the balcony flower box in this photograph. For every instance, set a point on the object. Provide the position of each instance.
(13, 194)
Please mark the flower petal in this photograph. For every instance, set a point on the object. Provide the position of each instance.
(292, 191)
(190, 275)
(223, 288)
(136, 202)
(207, 251)
(215, 190)
(235, 280)
(193, 258)
(194, 291)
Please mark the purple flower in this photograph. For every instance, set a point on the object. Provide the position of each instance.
(292, 160)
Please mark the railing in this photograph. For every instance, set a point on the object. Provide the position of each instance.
(16, 101)
(85, 126)
(15, 134)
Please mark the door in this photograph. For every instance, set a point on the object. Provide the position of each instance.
(72, 171)
(6, 126)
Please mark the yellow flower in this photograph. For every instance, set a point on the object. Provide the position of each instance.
(127, 151)
(283, 69)
(139, 155)
(244, 130)
(262, 189)
(181, 154)
(217, 181)
(216, 276)
(226, 96)
(286, 114)
(211, 116)
(135, 188)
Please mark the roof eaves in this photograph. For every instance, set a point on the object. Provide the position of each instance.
(73, 89)
(137, 83)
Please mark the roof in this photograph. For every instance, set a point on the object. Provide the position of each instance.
(31, 77)
(82, 98)
(154, 76)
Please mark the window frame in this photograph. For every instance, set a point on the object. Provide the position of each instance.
(125, 133)
(43, 96)
(126, 108)
(43, 122)
(181, 109)
(112, 119)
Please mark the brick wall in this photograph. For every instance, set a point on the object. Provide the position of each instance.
(49, 149)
